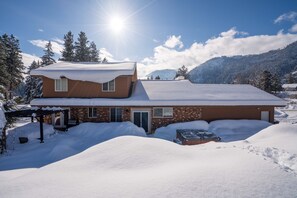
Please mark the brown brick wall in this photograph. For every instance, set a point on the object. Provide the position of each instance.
(180, 114)
(185, 114)
(81, 113)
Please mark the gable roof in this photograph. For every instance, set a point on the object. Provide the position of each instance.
(177, 93)
(93, 72)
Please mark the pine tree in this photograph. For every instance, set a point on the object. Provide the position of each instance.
(291, 78)
(82, 50)
(68, 51)
(275, 83)
(182, 71)
(47, 58)
(265, 81)
(157, 78)
(32, 90)
(94, 53)
(3, 72)
(13, 62)
(104, 60)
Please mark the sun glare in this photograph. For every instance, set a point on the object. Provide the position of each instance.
(116, 24)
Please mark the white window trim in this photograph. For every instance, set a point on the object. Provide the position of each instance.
(92, 112)
(108, 86)
(162, 112)
(61, 90)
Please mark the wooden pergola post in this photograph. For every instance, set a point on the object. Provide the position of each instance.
(41, 129)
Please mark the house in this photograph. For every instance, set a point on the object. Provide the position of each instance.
(110, 92)
(290, 87)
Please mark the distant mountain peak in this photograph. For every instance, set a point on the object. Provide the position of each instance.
(164, 74)
(226, 69)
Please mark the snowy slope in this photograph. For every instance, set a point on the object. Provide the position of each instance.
(61, 145)
(227, 69)
(165, 74)
(264, 165)
(148, 167)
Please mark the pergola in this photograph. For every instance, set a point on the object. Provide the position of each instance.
(39, 113)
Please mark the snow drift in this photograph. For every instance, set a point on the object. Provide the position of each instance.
(149, 167)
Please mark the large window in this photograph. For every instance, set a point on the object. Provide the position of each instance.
(163, 112)
(116, 114)
(61, 85)
(109, 86)
(92, 112)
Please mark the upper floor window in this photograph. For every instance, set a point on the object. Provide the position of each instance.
(163, 112)
(61, 85)
(109, 86)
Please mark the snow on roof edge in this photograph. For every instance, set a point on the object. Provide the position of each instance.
(126, 102)
(86, 71)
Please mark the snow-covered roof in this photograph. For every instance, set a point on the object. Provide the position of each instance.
(93, 72)
(293, 85)
(177, 93)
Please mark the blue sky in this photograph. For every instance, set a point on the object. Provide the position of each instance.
(158, 34)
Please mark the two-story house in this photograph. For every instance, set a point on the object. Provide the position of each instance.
(95, 92)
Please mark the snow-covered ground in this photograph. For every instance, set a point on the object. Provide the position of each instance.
(58, 145)
(263, 165)
(228, 130)
(288, 113)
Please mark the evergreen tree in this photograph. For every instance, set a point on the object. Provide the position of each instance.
(291, 79)
(48, 57)
(3, 72)
(82, 50)
(265, 81)
(275, 83)
(13, 62)
(182, 71)
(32, 88)
(94, 53)
(68, 51)
(104, 60)
(157, 78)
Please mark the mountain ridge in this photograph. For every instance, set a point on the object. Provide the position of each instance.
(228, 69)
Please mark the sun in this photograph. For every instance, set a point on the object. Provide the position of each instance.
(116, 24)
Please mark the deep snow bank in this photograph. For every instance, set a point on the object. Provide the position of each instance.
(232, 130)
(169, 132)
(59, 145)
(282, 136)
(228, 130)
(148, 167)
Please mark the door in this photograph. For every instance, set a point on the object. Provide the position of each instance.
(265, 115)
(141, 119)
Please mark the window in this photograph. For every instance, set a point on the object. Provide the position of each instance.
(108, 86)
(92, 112)
(61, 85)
(163, 112)
(116, 114)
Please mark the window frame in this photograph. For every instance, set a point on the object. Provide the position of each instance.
(163, 116)
(92, 112)
(116, 115)
(61, 80)
(108, 86)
